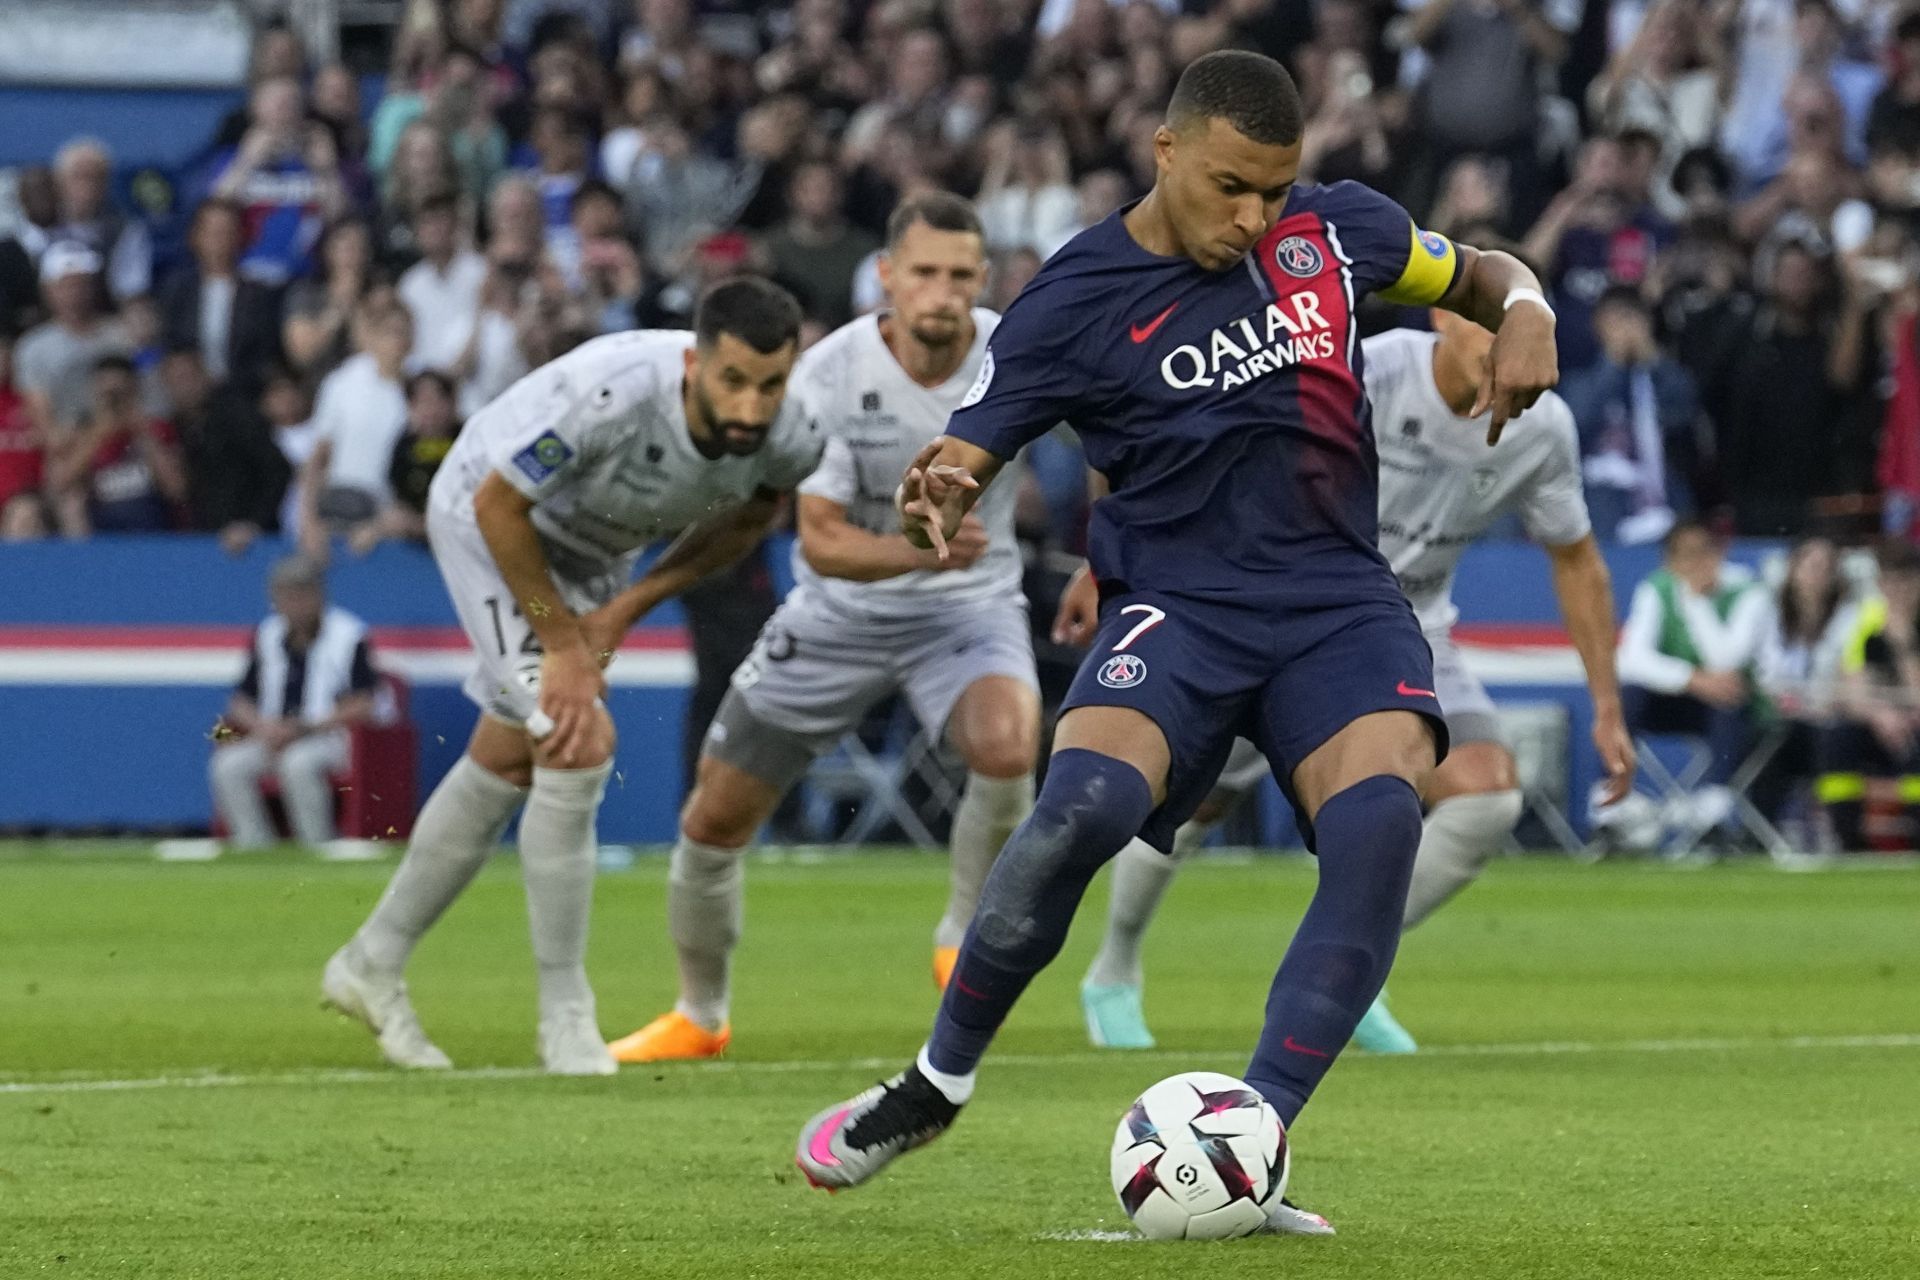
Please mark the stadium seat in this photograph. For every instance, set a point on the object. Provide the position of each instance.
(374, 794)
(1674, 786)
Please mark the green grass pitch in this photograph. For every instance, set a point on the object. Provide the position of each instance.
(1634, 1071)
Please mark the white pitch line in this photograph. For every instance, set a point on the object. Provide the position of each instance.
(212, 1079)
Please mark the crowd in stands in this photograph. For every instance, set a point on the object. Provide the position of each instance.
(1721, 195)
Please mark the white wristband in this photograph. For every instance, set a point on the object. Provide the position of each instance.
(1524, 294)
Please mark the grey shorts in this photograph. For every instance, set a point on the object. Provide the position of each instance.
(813, 676)
(1468, 711)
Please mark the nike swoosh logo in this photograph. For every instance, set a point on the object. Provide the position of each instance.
(1406, 690)
(1297, 1047)
(1141, 332)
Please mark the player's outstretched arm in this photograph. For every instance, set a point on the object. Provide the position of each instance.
(701, 549)
(570, 679)
(1585, 589)
(941, 485)
(1498, 292)
(835, 547)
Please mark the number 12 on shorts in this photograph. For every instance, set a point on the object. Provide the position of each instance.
(1153, 618)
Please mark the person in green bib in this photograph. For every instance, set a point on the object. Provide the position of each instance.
(1687, 655)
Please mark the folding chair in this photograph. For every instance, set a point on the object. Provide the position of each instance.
(1537, 733)
(1674, 787)
(874, 781)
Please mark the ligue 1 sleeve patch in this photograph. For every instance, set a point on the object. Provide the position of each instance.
(1435, 245)
(978, 391)
(546, 455)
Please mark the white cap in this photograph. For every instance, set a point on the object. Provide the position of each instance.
(65, 258)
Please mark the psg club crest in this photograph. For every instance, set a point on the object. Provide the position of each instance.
(1298, 257)
(1122, 671)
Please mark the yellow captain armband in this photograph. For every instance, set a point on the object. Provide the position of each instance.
(1432, 263)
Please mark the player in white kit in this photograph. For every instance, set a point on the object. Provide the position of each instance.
(536, 520)
(1441, 488)
(870, 615)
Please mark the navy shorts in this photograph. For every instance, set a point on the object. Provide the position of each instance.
(1209, 671)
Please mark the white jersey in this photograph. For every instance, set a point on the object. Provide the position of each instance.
(1442, 487)
(876, 418)
(598, 440)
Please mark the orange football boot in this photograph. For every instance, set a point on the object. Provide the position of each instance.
(944, 958)
(671, 1037)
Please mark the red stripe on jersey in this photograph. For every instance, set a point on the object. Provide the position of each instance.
(1303, 263)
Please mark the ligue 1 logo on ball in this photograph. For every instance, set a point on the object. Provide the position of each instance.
(1298, 257)
(1123, 671)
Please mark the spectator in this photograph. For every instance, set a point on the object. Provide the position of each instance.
(285, 174)
(288, 410)
(277, 54)
(645, 95)
(53, 364)
(1786, 375)
(1765, 50)
(915, 102)
(678, 196)
(494, 360)
(1662, 84)
(320, 311)
(83, 173)
(611, 282)
(561, 154)
(432, 424)
(22, 457)
(1799, 667)
(336, 104)
(236, 475)
(1686, 657)
(1097, 195)
(1481, 92)
(1026, 199)
(309, 679)
(1599, 232)
(360, 413)
(1874, 746)
(442, 290)
(1894, 121)
(121, 471)
(461, 107)
(233, 322)
(423, 169)
(1638, 413)
(516, 225)
(20, 249)
(1011, 273)
(816, 252)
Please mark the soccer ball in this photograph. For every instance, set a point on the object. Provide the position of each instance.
(1199, 1156)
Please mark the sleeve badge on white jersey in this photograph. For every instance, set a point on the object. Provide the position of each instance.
(978, 390)
(546, 455)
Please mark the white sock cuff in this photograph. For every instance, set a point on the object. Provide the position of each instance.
(1489, 815)
(1001, 793)
(694, 863)
(468, 772)
(572, 788)
(957, 1089)
(1187, 839)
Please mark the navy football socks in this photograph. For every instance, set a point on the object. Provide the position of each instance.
(1089, 807)
(1366, 837)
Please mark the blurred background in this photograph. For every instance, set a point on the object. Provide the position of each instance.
(209, 209)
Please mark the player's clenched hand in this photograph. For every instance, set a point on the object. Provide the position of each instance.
(602, 633)
(967, 545)
(570, 686)
(1616, 754)
(1522, 363)
(1079, 615)
(932, 499)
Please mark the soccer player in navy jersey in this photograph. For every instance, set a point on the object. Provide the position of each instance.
(1202, 343)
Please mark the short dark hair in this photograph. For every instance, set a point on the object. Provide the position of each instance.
(1681, 528)
(592, 189)
(436, 377)
(1250, 91)
(1622, 295)
(941, 210)
(755, 310)
(114, 362)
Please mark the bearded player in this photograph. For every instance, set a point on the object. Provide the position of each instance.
(1441, 488)
(1202, 343)
(536, 519)
(870, 615)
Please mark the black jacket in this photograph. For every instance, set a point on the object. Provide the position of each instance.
(253, 334)
(234, 469)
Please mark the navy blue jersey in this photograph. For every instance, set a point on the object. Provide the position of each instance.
(1226, 409)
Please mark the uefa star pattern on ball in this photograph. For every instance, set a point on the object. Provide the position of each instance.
(1199, 1156)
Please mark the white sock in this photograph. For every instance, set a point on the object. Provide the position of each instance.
(1461, 834)
(988, 811)
(557, 850)
(452, 839)
(1141, 875)
(957, 1089)
(706, 907)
